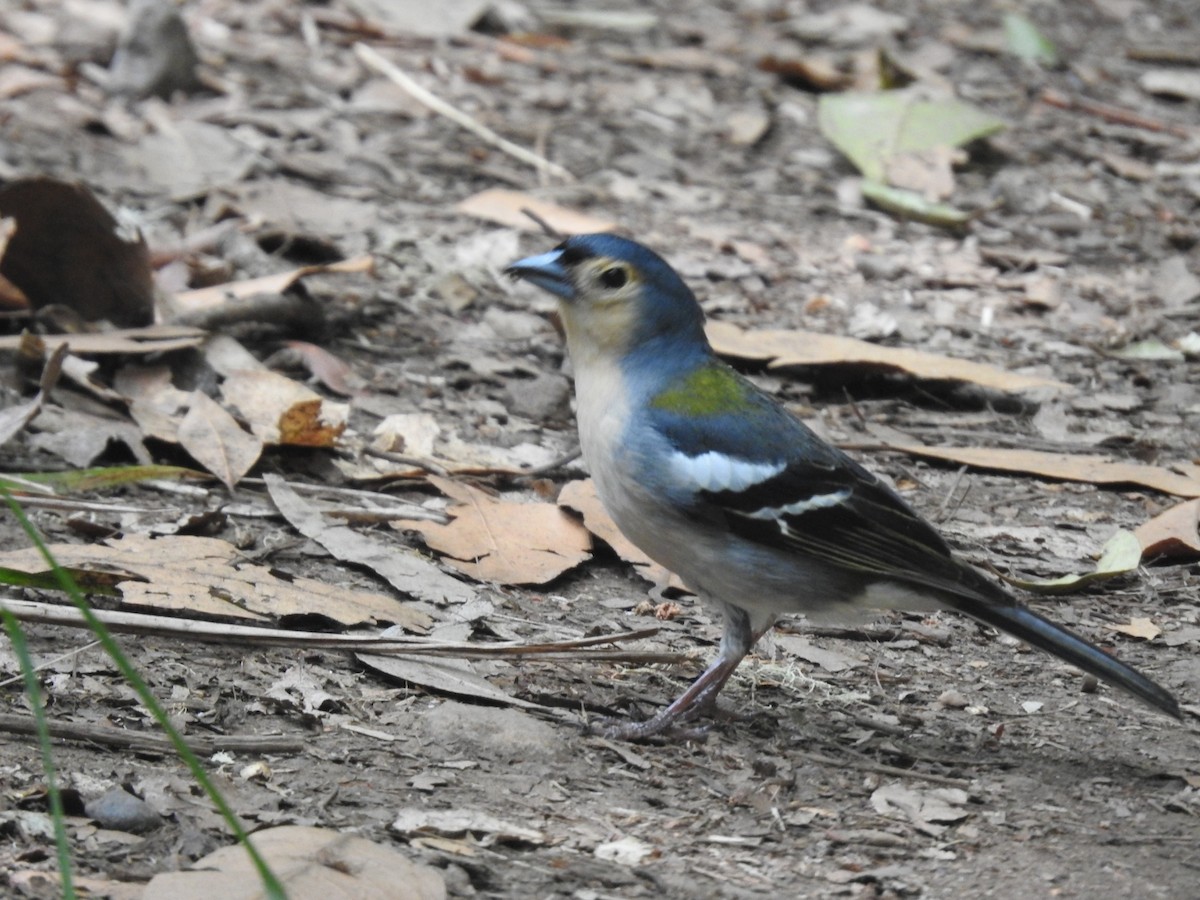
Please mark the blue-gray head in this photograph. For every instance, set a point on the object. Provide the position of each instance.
(616, 295)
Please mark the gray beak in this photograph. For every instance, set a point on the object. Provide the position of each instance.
(546, 271)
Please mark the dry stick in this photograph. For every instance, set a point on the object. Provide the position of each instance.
(141, 741)
(218, 633)
(1116, 114)
(374, 61)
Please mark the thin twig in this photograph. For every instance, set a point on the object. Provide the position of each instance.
(1118, 115)
(223, 633)
(414, 461)
(374, 61)
(109, 736)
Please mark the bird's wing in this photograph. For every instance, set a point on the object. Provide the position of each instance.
(777, 483)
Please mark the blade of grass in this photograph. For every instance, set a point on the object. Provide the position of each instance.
(271, 884)
(33, 689)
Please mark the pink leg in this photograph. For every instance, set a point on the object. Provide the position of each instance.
(736, 642)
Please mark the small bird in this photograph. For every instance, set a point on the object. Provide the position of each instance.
(715, 480)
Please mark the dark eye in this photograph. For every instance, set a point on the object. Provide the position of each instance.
(614, 278)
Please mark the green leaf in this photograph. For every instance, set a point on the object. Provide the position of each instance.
(911, 205)
(1152, 350)
(872, 128)
(78, 480)
(1120, 556)
(1026, 42)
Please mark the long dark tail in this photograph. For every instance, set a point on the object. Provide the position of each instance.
(1045, 635)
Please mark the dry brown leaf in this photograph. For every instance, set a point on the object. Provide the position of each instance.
(216, 441)
(16, 417)
(1174, 533)
(404, 569)
(313, 864)
(132, 341)
(1090, 469)
(209, 577)
(581, 497)
(784, 349)
(418, 820)
(508, 542)
(456, 677)
(155, 404)
(1138, 628)
(505, 207)
(281, 411)
(190, 302)
(332, 371)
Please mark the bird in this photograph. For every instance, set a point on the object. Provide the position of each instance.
(717, 481)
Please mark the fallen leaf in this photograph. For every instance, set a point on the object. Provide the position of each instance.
(313, 864)
(1173, 533)
(284, 412)
(131, 341)
(504, 541)
(202, 299)
(1087, 468)
(456, 677)
(409, 434)
(402, 568)
(1122, 554)
(216, 441)
(930, 810)
(505, 207)
(417, 820)
(14, 418)
(208, 576)
(1025, 42)
(871, 128)
(784, 349)
(1138, 628)
(580, 496)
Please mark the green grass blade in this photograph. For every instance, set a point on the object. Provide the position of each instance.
(274, 889)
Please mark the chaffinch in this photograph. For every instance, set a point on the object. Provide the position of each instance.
(716, 481)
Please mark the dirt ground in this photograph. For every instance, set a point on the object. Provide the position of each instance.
(917, 756)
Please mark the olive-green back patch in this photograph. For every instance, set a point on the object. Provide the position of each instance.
(708, 391)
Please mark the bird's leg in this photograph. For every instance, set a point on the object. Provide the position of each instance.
(736, 642)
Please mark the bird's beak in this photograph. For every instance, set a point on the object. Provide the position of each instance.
(546, 271)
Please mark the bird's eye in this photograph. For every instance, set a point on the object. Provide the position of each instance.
(614, 278)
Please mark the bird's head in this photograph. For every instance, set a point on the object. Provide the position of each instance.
(615, 296)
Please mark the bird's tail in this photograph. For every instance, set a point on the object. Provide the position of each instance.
(1045, 635)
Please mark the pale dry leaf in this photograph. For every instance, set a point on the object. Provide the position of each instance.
(155, 404)
(15, 418)
(1089, 468)
(784, 349)
(125, 341)
(1138, 628)
(208, 576)
(504, 541)
(456, 677)
(410, 434)
(216, 441)
(204, 299)
(402, 568)
(505, 207)
(416, 820)
(281, 411)
(313, 864)
(580, 496)
(1174, 533)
